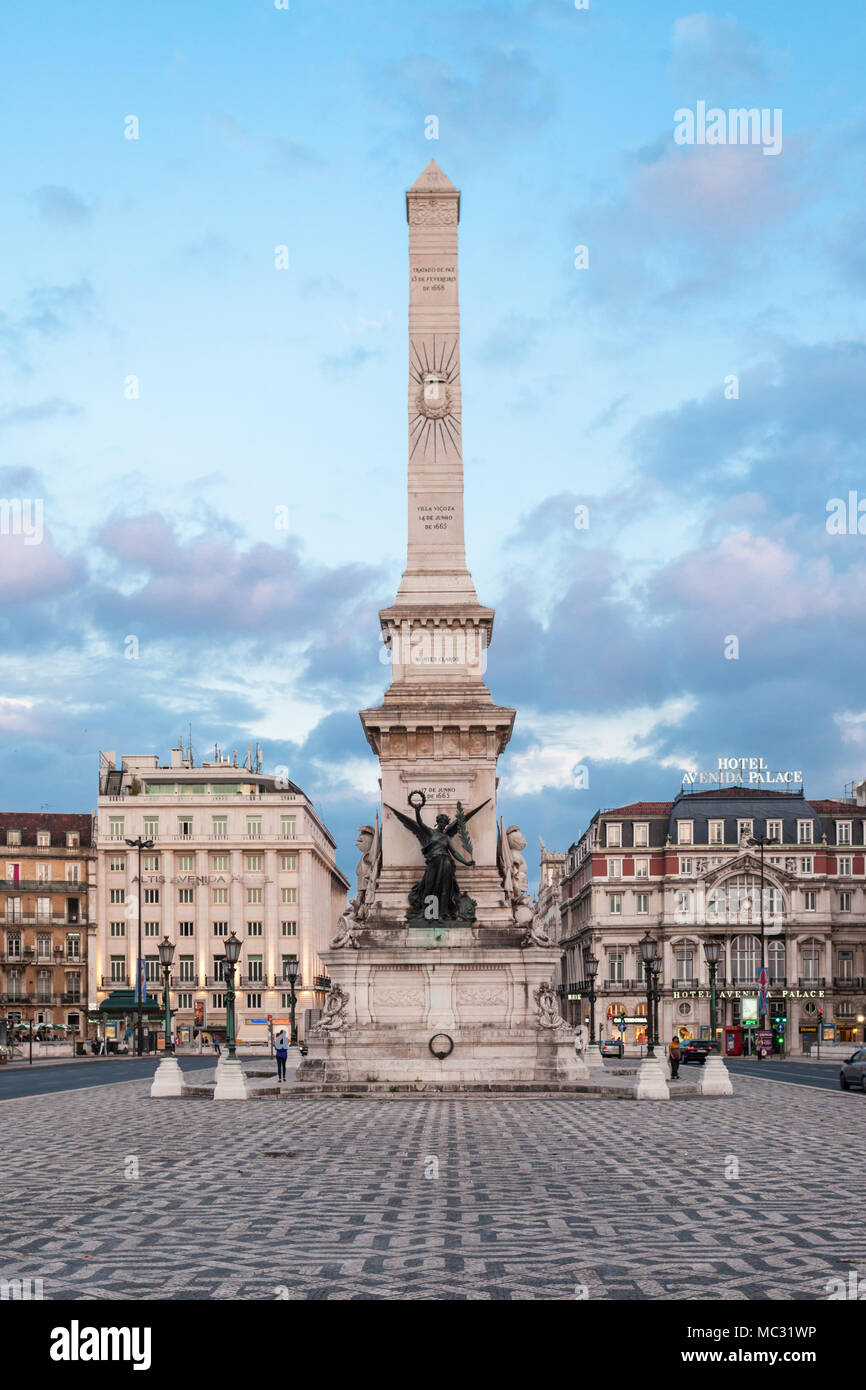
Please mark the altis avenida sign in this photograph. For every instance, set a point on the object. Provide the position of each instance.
(742, 772)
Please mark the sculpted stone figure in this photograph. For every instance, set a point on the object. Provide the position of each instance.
(512, 869)
(347, 931)
(369, 842)
(334, 1013)
(547, 1014)
(438, 895)
(537, 934)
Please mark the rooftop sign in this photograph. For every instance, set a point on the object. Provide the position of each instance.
(742, 772)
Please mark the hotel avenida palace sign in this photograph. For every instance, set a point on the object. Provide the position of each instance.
(742, 772)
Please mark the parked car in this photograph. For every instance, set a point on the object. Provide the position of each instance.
(695, 1050)
(853, 1072)
(610, 1047)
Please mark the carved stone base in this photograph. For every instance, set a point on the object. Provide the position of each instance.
(479, 999)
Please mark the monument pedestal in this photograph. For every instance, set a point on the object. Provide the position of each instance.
(487, 1007)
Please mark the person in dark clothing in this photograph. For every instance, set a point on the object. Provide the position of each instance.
(281, 1050)
(674, 1053)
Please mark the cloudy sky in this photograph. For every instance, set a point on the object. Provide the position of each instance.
(217, 447)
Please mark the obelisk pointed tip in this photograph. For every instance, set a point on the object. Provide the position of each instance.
(432, 180)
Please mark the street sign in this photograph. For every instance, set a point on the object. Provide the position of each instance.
(626, 1019)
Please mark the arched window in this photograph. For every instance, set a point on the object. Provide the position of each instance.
(738, 900)
(776, 962)
(745, 959)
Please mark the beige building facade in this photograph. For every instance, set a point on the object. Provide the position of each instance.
(233, 850)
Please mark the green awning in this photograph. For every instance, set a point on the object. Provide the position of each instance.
(123, 1001)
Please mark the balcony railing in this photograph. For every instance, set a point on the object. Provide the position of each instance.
(847, 982)
(72, 999)
(806, 983)
(16, 998)
(112, 982)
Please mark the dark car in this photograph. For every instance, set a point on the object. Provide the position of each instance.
(695, 1050)
(853, 1072)
(610, 1047)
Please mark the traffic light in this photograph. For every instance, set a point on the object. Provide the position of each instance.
(820, 1015)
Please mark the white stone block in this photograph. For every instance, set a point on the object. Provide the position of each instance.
(715, 1077)
(651, 1083)
(231, 1084)
(168, 1079)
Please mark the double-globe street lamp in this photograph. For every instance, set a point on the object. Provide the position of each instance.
(139, 844)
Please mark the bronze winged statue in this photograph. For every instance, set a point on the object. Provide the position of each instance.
(437, 895)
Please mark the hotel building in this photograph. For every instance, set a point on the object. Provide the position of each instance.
(233, 850)
(47, 918)
(685, 871)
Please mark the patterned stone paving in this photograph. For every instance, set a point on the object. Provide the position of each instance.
(534, 1199)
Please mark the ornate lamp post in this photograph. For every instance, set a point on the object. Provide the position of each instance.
(294, 980)
(168, 1080)
(760, 841)
(166, 956)
(139, 844)
(713, 952)
(230, 1083)
(232, 956)
(590, 966)
(648, 955)
(656, 968)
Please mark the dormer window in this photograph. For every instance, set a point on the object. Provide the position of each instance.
(685, 832)
(13, 837)
(43, 838)
(614, 835)
(73, 839)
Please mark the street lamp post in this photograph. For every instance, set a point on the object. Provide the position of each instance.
(712, 951)
(648, 955)
(590, 965)
(656, 967)
(166, 956)
(293, 978)
(760, 841)
(139, 844)
(230, 1080)
(232, 956)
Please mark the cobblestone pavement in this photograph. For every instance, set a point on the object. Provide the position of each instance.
(534, 1199)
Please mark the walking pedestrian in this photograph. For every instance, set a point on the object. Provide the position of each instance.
(674, 1057)
(216, 1046)
(281, 1050)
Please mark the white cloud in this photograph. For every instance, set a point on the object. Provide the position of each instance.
(627, 736)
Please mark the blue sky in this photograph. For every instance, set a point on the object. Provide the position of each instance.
(262, 389)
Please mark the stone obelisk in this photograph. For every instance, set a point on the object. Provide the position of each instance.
(441, 973)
